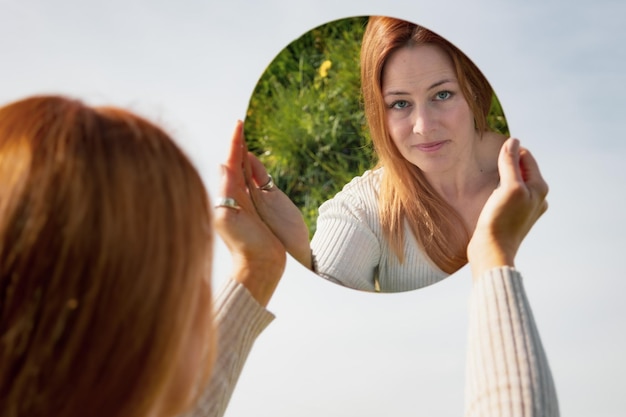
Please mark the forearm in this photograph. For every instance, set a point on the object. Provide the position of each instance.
(240, 319)
(507, 370)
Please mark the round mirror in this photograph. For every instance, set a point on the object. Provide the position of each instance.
(385, 136)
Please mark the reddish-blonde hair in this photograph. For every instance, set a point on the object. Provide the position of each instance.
(405, 194)
(105, 258)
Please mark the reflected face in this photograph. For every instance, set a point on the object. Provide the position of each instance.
(428, 117)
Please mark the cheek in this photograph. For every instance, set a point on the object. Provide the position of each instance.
(463, 119)
(399, 130)
(469, 118)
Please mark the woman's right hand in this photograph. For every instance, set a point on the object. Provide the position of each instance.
(510, 212)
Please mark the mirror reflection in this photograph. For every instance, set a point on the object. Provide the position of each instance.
(384, 137)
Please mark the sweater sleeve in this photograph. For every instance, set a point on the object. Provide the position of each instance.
(240, 320)
(507, 369)
(345, 249)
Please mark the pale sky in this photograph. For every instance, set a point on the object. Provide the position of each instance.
(559, 69)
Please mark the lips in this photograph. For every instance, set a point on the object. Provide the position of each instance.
(431, 146)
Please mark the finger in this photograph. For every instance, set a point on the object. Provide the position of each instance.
(232, 183)
(253, 191)
(230, 186)
(226, 182)
(234, 161)
(531, 173)
(259, 172)
(247, 170)
(508, 163)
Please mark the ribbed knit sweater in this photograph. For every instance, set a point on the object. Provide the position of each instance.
(507, 369)
(349, 248)
(240, 320)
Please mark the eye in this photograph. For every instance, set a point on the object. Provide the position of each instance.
(399, 104)
(443, 95)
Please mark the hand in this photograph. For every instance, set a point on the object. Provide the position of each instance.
(510, 212)
(259, 257)
(279, 213)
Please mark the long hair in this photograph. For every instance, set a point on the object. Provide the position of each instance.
(105, 258)
(405, 194)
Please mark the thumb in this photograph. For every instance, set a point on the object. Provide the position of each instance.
(508, 163)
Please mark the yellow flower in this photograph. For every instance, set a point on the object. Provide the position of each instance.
(323, 71)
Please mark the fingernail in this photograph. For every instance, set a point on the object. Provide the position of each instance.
(513, 146)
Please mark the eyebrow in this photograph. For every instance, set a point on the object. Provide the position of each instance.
(403, 93)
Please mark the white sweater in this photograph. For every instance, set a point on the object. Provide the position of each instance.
(507, 369)
(349, 248)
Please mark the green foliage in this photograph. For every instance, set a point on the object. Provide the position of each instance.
(495, 118)
(305, 118)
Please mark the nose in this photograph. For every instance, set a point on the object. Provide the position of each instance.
(424, 120)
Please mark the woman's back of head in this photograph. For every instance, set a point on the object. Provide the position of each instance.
(105, 253)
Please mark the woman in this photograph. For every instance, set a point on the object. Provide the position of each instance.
(106, 239)
(105, 262)
(406, 224)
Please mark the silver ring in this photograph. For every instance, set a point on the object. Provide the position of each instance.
(227, 202)
(268, 185)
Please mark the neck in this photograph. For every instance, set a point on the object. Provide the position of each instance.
(464, 182)
(474, 173)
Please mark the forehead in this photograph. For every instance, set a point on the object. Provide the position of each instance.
(417, 66)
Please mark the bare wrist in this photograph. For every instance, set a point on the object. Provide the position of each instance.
(487, 254)
(259, 278)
